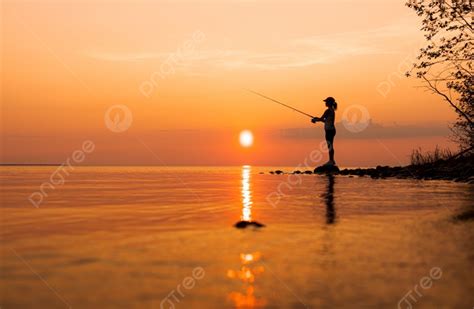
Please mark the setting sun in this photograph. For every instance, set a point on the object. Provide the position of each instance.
(246, 138)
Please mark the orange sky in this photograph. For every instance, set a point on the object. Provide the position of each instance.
(64, 63)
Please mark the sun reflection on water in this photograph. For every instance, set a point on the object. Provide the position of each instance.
(247, 273)
(246, 194)
(249, 269)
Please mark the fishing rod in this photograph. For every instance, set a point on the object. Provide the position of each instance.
(287, 106)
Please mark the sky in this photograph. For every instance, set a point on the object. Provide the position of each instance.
(166, 82)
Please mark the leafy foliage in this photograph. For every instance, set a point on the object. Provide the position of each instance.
(446, 62)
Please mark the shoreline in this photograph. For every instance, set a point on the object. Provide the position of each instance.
(456, 169)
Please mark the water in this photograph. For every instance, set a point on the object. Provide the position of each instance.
(154, 237)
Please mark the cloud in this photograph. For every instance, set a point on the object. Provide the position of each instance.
(373, 131)
(298, 52)
(370, 37)
(122, 57)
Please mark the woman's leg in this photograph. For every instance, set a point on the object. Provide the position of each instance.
(331, 150)
(330, 141)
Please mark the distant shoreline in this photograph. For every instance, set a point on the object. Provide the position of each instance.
(459, 169)
(30, 164)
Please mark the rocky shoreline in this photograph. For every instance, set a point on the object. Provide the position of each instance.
(456, 169)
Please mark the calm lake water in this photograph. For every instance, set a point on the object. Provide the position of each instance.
(154, 237)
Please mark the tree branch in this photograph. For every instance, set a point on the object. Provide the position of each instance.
(433, 88)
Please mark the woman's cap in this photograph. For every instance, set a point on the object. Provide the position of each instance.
(330, 100)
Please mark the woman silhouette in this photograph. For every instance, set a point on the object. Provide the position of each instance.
(328, 118)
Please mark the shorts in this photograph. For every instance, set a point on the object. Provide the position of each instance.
(330, 134)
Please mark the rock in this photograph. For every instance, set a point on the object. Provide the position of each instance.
(358, 171)
(460, 170)
(345, 172)
(245, 224)
(373, 173)
(326, 169)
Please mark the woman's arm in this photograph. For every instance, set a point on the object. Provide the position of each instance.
(322, 118)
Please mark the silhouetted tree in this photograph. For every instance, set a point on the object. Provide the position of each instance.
(445, 63)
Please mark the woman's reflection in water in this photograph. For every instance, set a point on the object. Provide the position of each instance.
(329, 200)
(326, 251)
